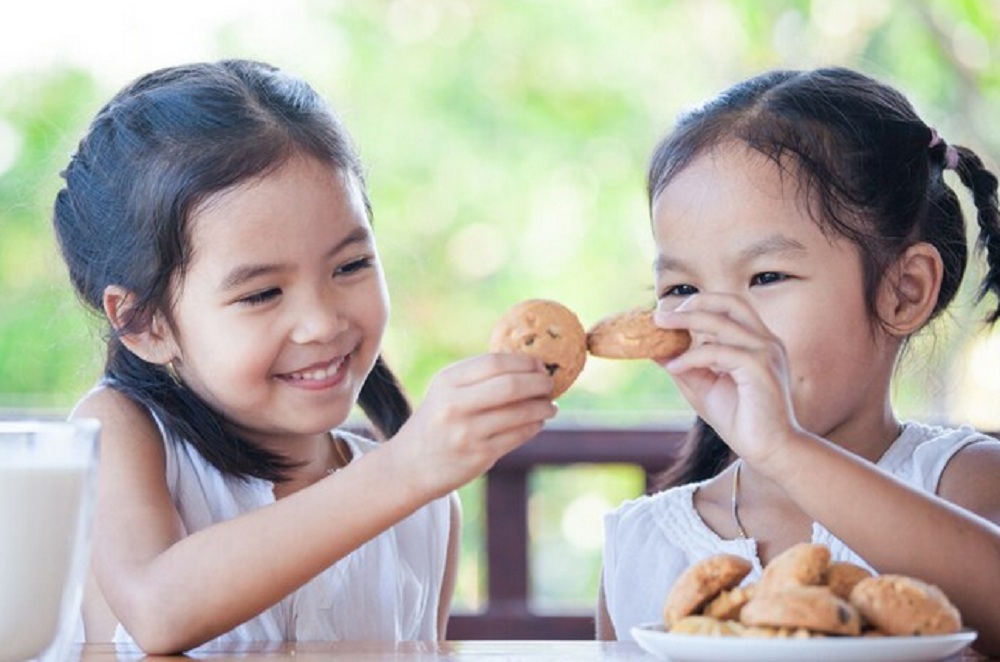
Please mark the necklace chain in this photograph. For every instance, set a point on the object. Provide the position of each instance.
(342, 459)
(736, 500)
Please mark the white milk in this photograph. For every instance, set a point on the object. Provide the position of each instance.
(39, 517)
(47, 480)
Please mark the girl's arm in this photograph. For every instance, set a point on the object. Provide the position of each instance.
(174, 591)
(99, 622)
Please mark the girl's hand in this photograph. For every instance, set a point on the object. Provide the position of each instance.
(735, 374)
(475, 411)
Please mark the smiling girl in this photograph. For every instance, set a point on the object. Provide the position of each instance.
(216, 216)
(804, 231)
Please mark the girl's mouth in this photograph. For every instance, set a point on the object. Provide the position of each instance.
(323, 375)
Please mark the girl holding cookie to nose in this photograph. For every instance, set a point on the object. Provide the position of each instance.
(216, 216)
(805, 231)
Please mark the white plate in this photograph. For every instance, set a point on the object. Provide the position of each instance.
(696, 648)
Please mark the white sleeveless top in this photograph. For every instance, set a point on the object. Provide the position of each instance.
(388, 589)
(651, 540)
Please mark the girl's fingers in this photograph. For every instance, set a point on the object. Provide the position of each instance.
(486, 366)
(506, 441)
(718, 319)
(728, 306)
(709, 327)
(497, 424)
(726, 359)
(500, 390)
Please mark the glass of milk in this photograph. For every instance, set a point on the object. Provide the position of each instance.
(47, 482)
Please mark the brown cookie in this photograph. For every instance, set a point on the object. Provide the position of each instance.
(706, 625)
(841, 577)
(701, 582)
(799, 565)
(727, 605)
(813, 608)
(899, 605)
(550, 332)
(633, 335)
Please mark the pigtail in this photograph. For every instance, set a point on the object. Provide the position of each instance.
(703, 456)
(383, 400)
(983, 185)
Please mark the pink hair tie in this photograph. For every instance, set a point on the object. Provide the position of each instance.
(950, 158)
(950, 153)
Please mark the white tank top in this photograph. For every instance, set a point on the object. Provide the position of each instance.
(388, 589)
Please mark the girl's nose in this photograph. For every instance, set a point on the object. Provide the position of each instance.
(318, 322)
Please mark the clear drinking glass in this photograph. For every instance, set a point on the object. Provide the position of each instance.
(48, 475)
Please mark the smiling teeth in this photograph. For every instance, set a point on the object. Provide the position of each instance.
(319, 374)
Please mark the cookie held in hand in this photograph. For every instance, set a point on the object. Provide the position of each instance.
(550, 332)
(633, 335)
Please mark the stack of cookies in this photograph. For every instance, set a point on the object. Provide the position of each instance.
(802, 594)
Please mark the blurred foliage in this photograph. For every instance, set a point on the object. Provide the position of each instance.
(506, 146)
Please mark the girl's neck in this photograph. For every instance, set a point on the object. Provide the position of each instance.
(868, 439)
(312, 454)
(329, 454)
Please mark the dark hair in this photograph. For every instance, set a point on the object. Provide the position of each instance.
(152, 155)
(872, 168)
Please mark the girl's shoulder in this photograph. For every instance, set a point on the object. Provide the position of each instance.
(120, 416)
(935, 458)
(131, 445)
(930, 447)
(943, 434)
(967, 474)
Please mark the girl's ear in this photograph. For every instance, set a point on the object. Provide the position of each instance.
(909, 291)
(152, 341)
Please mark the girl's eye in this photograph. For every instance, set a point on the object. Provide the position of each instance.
(258, 298)
(679, 291)
(355, 266)
(768, 278)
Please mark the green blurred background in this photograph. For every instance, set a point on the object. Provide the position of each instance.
(506, 145)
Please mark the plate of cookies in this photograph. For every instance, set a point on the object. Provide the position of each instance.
(804, 606)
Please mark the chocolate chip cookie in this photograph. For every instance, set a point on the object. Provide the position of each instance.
(550, 332)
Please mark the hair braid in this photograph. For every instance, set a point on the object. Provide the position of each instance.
(983, 185)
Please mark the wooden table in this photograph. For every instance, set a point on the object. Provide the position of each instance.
(424, 651)
(496, 651)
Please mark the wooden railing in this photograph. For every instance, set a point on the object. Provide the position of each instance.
(508, 613)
